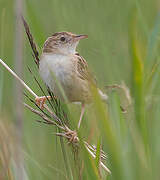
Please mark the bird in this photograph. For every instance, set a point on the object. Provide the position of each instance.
(66, 72)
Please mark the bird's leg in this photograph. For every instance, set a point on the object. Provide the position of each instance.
(40, 101)
(72, 136)
(81, 116)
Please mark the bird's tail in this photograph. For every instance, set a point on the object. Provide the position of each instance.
(103, 96)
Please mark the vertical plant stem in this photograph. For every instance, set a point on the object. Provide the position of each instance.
(1, 53)
(17, 86)
(138, 83)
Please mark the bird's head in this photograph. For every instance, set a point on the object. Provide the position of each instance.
(62, 43)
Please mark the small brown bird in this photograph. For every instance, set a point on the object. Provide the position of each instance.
(65, 72)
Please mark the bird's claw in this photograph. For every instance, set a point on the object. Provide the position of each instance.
(72, 136)
(40, 101)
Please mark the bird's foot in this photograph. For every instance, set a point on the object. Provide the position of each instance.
(72, 136)
(40, 101)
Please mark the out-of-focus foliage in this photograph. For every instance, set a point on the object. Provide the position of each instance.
(123, 45)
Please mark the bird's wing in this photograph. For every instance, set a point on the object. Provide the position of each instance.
(85, 74)
(83, 70)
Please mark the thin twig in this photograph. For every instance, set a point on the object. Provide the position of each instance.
(31, 41)
(124, 88)
(28, 88)
(126, 91)
(43, 116)
(101, 163)
(94, 149)
(65, 128)
(40, 88)
(18, 78)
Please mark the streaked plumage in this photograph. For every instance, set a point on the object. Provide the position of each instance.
(64, 70)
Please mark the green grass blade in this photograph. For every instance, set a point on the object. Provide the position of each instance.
(153, 41)
(98, 153)
(1, 53)
(138, 79)
(152, 55)
(89, 164)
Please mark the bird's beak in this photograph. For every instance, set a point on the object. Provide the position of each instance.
(81, 36)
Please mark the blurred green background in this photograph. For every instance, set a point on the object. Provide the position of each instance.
(123, 45)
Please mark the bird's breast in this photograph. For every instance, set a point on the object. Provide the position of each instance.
(56, 69)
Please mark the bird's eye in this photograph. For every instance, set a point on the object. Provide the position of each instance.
(62, 39)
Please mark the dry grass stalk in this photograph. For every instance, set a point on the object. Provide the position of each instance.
(31, 41)
(126, 92)
(67, 133)
(8, 148)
